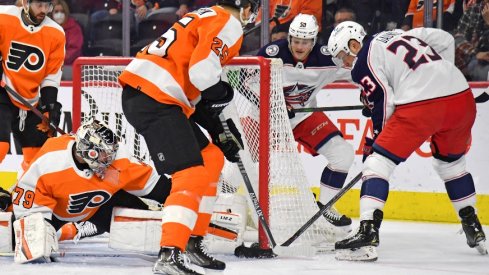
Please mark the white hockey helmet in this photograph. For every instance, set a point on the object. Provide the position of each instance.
(97, 145)
(341, 36)
(304, 26)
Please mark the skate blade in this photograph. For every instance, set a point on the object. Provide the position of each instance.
(481, 247)
(364, 254)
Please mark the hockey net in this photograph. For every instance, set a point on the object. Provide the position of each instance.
(270, 156)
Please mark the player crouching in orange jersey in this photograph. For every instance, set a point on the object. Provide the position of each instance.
(75, 179)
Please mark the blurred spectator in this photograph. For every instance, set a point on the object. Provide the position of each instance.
(294, 7)
(203, 3)
(110, 7)
(147, 7)
(472, 42)
(73, 31)
(341, 15)
(415, 15)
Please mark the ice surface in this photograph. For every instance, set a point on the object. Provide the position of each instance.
(405, 248)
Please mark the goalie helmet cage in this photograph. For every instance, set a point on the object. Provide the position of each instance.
(270, 155)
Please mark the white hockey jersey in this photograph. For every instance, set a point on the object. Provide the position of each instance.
(303, 80)
(396, 68)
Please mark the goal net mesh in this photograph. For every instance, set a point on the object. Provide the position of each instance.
(273, 165)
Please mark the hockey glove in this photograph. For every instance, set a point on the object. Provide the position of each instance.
(53, 113)
(367, 109)
(367, 148)
(5, 199)
(366, 112)
(216, 98)
(229, 143)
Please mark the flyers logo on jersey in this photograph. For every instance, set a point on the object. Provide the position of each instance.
(79, 202)
(23, 55)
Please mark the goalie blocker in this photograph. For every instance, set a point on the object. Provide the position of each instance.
(140, 230)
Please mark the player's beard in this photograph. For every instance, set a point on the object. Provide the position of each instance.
(37, 19)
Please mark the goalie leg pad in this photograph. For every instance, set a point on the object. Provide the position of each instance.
(135, 230)
(5, 231)
(35, 239)
(228, 224)
(364, 254)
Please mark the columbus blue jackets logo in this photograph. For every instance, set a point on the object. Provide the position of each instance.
(24, 55)
(79, 202)
(298, 93)
(272, 50)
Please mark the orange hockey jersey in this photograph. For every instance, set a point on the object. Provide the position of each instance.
(314, 7)
(53, 185)
(31, 56)
(186, 59)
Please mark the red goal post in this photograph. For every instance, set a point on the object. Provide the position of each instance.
(270, 156)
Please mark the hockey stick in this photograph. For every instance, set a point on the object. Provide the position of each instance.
(330, 108)
(32, 108)
(254, 251)
(251, 191)
(247, 32)
(323, 210)
(115, 254)
(484, 97)
(279, 11)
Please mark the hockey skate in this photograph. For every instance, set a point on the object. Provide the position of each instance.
(172, 261)
(77, 231)
(473, 229)
(342, 223)
(361, 245)
(197, 254)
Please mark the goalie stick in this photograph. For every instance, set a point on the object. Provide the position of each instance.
(115, 254)
(32, 108)
(323, 210)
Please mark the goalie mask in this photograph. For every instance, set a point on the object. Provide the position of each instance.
(35, 11)
(97, 145)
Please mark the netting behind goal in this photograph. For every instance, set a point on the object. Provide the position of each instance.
(270, 157)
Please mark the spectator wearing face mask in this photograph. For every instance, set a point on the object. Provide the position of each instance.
(73, 31)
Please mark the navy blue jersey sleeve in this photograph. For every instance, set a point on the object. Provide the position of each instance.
(373, 93)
